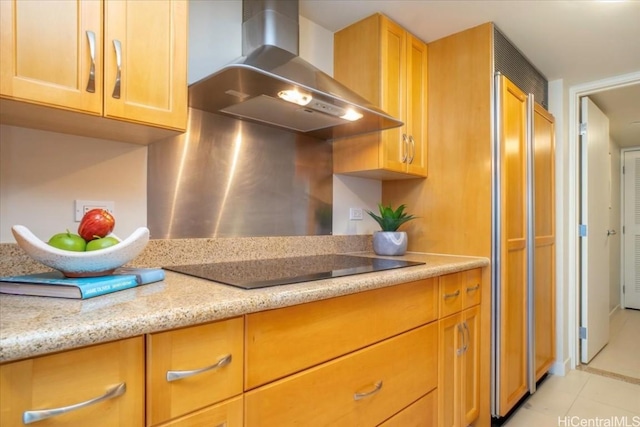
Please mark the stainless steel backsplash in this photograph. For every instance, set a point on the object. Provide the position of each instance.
(229, 178)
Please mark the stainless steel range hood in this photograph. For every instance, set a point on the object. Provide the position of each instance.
(255, 86)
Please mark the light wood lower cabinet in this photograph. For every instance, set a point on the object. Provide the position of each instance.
(459, 350)
(191, 368)
(362, 388)
(225, 414)
(421, 413)
(380, 357)
(30, 387)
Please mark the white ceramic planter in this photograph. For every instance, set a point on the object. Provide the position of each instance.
(390, 242)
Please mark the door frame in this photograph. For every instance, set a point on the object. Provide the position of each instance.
(573, 214)
(623, 152)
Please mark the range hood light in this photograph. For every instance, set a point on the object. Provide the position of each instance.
(351, 115)
(293, 95)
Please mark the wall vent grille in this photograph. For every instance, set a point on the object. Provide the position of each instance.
(510, 62)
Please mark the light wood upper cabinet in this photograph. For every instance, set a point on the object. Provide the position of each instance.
(152, 52)
(113, 371)
(386, 65)
(124, 60)
(46, 53)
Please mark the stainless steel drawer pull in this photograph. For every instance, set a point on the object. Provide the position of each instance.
(473, 288)
(178, 375)
(405, 148)
(460, 350)
(376, 388)
(91, 84)
(116, 88)
(29, 417)
(467, 339)
(413, 149)
(453, 295)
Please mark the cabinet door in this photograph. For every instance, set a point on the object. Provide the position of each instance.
(513, 240)
(393, 99)
(416, 117)
(545, 242)
(145, 62)
(208, 360)
(470, 369)
(77, 376)
(47, 50)
(449, 372)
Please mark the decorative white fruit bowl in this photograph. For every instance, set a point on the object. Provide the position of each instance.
(82, 264)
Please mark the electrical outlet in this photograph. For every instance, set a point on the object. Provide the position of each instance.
(84, 206)
(355, 214)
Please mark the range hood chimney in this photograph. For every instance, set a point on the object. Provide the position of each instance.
(271, 84)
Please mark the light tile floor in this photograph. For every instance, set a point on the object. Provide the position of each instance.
(622, 354)
(582, 398)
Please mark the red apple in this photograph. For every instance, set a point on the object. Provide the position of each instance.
(96, 224)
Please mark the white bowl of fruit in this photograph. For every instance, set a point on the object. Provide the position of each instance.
(94, 251)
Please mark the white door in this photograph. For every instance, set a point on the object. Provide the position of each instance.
(594, 207)
(631, 238)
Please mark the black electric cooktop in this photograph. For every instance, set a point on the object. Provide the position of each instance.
(282, 271)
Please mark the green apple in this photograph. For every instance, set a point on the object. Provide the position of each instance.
(68, 242)
(105, 242)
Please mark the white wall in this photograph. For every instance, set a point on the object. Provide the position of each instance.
(42, 173)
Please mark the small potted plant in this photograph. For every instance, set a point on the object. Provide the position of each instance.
(389, 241)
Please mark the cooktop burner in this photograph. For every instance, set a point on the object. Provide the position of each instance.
(282, 271)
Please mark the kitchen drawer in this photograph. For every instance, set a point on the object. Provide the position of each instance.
(193, 349)
(472, 288)
(422, 413)
(450, 297)
(388, 376)
(76, 376)
(459, 291)
(224, 414)
(287, 340)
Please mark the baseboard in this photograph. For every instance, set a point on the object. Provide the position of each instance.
(616, 308)
(561, 368)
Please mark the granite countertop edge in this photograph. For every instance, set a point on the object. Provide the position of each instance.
(33, 326)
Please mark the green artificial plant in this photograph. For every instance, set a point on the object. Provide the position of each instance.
(390, 219)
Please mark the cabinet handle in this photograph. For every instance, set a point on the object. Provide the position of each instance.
(453, 295)
(376, 388)
(29, 417)
(91, 84)
(116, 88)
(467, 339)
(405, 148)
(473, 288)
(413, 149)
(178, 375)
(460, 350)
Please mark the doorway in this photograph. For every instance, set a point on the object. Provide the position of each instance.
(573, 273)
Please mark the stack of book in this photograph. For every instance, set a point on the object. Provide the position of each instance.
(55, 284)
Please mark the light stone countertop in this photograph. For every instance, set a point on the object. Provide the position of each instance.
(31, 326)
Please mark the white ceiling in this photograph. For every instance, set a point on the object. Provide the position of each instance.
(578, 41)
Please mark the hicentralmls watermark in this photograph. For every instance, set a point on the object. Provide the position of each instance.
(614, 421)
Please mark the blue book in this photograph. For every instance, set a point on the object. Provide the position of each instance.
(54, 284)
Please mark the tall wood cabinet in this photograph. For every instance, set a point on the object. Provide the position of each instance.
(386, 65)
(455, 209)
(124, 60)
